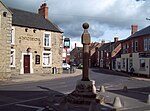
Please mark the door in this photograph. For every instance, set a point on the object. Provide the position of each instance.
(127, 65)
(26, 63)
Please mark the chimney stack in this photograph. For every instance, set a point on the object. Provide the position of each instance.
(116, 39)
(134, 28)
(103, 42)
(75, 45)
(43, 10)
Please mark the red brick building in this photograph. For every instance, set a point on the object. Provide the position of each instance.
(108, 53)
(94, 54)
(136, 51)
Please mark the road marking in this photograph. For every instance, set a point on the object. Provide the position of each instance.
(23, 101)
(35, 107)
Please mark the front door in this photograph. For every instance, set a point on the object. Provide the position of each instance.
(127, 65)
(26, 63)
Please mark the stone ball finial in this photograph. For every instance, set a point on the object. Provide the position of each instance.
(85, 25)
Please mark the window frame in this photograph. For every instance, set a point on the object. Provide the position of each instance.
(50, 58)
(136, 46)
(12, 35)
(123, 63)
(47, 33)
(13, 58)
(141, 67)
(147, 44)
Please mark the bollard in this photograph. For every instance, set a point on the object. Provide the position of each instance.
(125, 88)
(148, 99)
(117, 102)
(102, 89)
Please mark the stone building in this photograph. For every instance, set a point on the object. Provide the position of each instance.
(5, 37)
(35, 42)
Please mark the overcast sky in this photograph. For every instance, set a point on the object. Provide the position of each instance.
(107, 18)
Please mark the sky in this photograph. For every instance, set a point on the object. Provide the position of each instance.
(107, 18)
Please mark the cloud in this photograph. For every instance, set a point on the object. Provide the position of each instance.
(106, 17)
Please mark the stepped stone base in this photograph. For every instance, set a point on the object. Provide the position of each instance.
(84, 93)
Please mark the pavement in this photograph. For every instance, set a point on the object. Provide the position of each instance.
(26, 78)
(131, 100)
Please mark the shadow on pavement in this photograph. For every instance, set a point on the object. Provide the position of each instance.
(110, 72)
(46, 100)
(30, 100)
(140, 94)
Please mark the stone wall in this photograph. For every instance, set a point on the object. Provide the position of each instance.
(5, 36)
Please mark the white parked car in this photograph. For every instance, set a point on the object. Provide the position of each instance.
(66, 66)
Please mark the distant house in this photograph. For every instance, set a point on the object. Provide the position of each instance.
(136, 52)
(108, 53)
(94, 54)
(76, 55)
(35, 42)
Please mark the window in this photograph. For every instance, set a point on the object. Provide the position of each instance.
(130, 63)
(12, 58)
(118, 63)
(132, 46)
(47, 59)
(46, 40)
(13, 35)
(125, 48)
(37, 59)
(123, 63)
(142, 64)
(147, 44)
(136, 46)
(4, 14)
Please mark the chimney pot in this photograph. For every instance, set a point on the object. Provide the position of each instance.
(103, 42)
(134, 28)
(43, 10)
(116, 39)
(75, 45)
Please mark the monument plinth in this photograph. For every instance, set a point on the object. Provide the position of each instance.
(85, 91)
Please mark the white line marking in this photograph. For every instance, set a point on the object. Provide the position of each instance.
(35, 107)
(23, 101)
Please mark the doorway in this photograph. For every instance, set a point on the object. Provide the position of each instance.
(26, 63)
(127, 65)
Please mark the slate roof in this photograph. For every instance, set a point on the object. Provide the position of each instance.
(145, 31)
(105, 46)
(32, 20)
(109, 45)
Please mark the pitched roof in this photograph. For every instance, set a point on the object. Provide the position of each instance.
(110, 46)
(94, 45)
(5, 7)
(32, 20)
(104, 46)
(145, 31)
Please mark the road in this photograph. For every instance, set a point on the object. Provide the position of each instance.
(37, 96)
